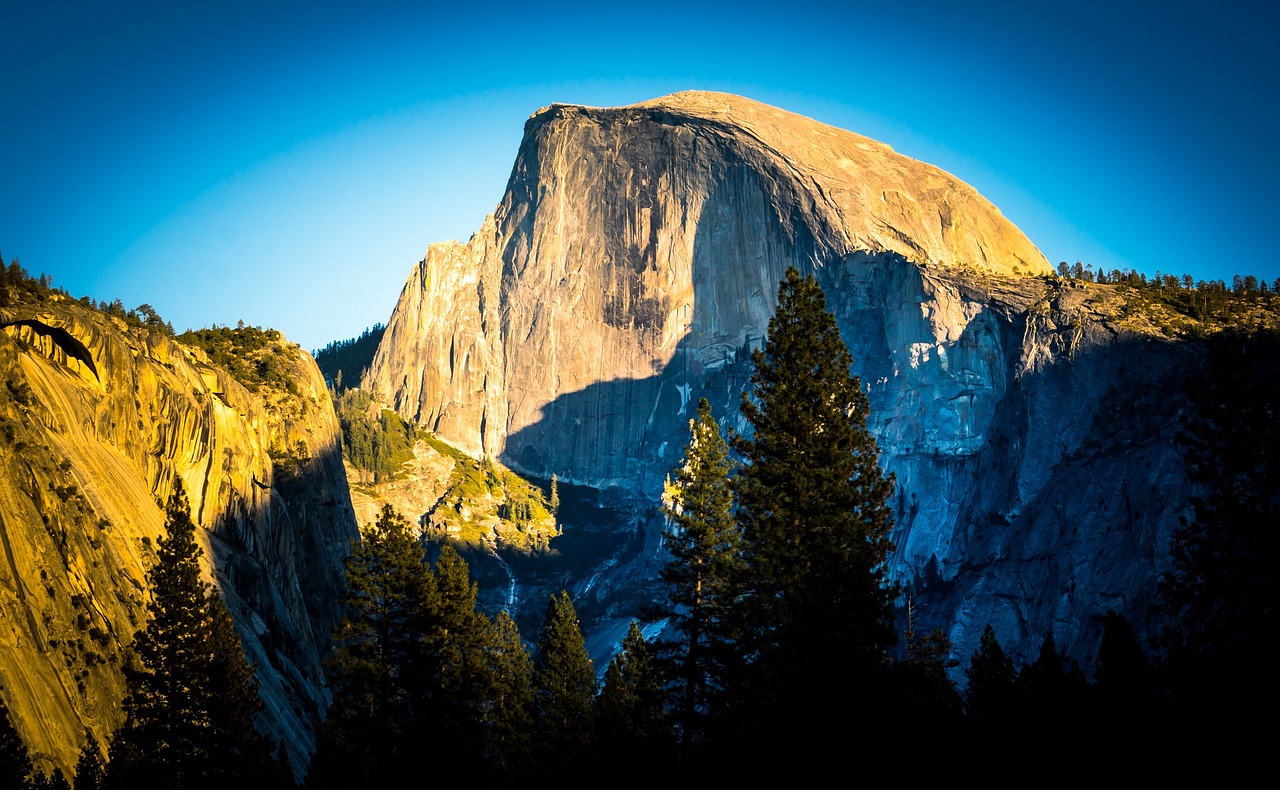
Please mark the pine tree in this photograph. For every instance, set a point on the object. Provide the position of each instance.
(813, 505)
(91, 774)
(451, 687)
(378, 651)
(564, 690)
(182, 727)
(700, 577)
(631, 720)
(508, 717)
(240, 750)
(990, 682)
(167, 725)
(927, 692)
(1043, 689)
(15, 760)
(1123, 677)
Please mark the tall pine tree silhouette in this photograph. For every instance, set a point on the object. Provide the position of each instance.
(991, 684)
(564, 690)
(188, 714)
(702, 577)
(631, 721)
(508, 716)
(813, 505)
(379, 651)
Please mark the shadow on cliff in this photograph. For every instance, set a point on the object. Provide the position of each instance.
(618, 440)
(1061, 509)
(611, 446)
(624, 435)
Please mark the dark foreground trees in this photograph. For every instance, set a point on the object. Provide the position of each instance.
(701, 580)
(417, 664)
(780, 625)
(15, 762)
(1221, 591)
(813, 507)
(192, 696)
(564, 692)
(378, 654)
(631, 721)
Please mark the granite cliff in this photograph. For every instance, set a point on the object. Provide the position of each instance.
(98, 418)
(635, 258)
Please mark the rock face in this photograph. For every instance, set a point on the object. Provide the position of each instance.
(634, 260)
(97, 422)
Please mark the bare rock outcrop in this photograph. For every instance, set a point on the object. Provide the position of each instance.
(98, 419)
(635, 238)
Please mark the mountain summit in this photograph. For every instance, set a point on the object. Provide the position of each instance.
(860, 193)
(638, 232)
(633, 264)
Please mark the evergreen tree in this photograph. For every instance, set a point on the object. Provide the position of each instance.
(508, 718)
(378, 651)
(1045, 677)
(452, 685)
(162, 743)
(15, 760)
(241, 751)
(188, 711)
(991, 680)
(564, 690)
(813, 505)
(701, 578)
(1045, 691)
(1123, 677)
(921, 680)
(346, 360)
(631, 720)
(91, 774)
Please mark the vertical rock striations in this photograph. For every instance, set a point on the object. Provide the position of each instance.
(638, 240)
(97, 419)
(635, 259)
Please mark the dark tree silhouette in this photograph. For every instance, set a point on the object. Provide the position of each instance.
(15, 760)
(702, 578)
(813, 505)
(991, 679)
(188, 713)
(631, 720)
(564, 690)
(378, 652)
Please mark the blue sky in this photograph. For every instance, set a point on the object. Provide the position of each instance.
(286, 163)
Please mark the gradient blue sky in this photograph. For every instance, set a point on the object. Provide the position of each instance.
(286, 163)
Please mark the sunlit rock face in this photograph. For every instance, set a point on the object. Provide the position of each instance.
(635, 260)
(97, 422)
(638, 242)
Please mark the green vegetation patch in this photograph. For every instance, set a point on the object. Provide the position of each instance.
(487, 503)
(255, 357)
(375, 440)
(1180, 307)
(343, 362)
